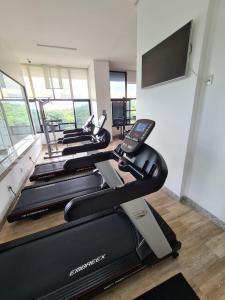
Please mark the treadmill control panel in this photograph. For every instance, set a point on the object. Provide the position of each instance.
(137, 135)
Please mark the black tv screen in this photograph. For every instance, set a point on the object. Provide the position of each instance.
(168, 60)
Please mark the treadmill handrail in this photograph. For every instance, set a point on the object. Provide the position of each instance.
(82, 162)
(99, 142)
(76, 139)
(100, 201)
(146, 183)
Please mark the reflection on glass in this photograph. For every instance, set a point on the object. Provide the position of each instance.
(5, 142)
(82, 112)
(15, 123)
(10, 89)
(17, 119)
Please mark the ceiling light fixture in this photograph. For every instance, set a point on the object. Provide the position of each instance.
(57, 47)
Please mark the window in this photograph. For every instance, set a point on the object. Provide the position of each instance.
(131, 111)
(123, 96)
(5, 141)
(15, 122)
(60, 110)
(117, 85)
(67, 89)
(82, 111)
(48, 82)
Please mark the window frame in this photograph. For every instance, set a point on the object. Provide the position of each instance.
(124, 99)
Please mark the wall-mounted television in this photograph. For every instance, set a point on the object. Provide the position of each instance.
(168, 60)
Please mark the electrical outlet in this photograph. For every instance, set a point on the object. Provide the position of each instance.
(209, 80)
(9, 188)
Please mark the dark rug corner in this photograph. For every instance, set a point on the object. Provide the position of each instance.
(175, 288)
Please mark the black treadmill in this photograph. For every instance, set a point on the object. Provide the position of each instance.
(85, 130)
(110, 235)
(99, 139)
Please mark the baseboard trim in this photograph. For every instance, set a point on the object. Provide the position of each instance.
(172, 194)
(189, 202)
(203, 211)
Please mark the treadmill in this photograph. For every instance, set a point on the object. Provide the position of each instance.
(111, 233)
(85, 130)
(99, 139)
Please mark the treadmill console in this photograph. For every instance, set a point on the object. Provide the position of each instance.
(99, 126)
(137, 136)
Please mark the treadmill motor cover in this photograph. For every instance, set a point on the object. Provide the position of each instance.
(71, 254)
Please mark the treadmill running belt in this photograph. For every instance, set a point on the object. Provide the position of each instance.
(64, 189)
(50, 167)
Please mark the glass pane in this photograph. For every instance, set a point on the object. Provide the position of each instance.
(5, 142)
(131, 90)
(79, 83)
(34, 114)
(60, 110)
(133, 104)
(117, 85)
(133, 112)
(82, 112)
(10, 88)
(17, 119)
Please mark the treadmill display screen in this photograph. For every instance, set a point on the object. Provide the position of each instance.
(141, 127)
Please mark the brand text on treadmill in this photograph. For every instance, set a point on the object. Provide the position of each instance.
(88, 264)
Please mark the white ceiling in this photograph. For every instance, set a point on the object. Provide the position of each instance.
(99, 29)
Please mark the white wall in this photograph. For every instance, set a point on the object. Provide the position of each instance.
(16, 177)
(131, 76)
(170, 105)
(204, 182)
(9, 63)
(99, 88)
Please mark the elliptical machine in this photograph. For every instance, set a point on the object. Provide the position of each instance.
(111, 233)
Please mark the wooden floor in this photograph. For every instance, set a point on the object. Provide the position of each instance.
(201, 260)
